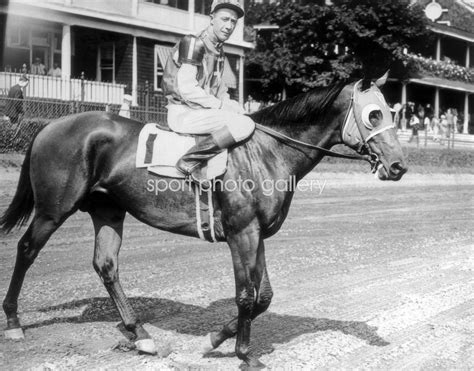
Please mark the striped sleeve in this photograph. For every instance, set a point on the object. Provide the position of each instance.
(191, 50)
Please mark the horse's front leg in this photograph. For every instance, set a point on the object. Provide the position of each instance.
(108, 225)
(244, 247)
(262, 302)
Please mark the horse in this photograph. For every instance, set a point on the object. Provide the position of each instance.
(86, 162)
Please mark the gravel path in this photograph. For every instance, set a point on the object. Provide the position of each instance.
(366, 275)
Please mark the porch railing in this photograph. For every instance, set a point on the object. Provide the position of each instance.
(66, 89)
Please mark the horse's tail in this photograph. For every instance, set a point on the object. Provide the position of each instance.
(23, 202)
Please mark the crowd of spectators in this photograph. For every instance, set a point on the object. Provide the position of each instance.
(415, 117)
(38, 68)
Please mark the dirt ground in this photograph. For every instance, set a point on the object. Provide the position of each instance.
(366, 275)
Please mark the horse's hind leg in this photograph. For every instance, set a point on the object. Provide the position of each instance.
(36, 236)
(108, 224)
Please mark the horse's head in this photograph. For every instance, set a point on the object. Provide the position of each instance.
(369, 129)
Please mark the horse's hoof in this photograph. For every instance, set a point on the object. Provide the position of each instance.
(14, 334)
(252, 364)
(207, 344)
(146, 346)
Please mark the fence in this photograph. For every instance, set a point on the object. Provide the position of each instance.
(16, 134)
(52, 97)
(59, 88)
(49, 109)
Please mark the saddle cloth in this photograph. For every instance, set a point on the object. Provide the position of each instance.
(159, 150)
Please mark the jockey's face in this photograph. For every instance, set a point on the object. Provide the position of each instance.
(223, 23)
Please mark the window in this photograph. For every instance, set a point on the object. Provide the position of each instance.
(18, 37)
(161, 56)
(202, 6)
(180, 4)
(106, 59)
(57, 39)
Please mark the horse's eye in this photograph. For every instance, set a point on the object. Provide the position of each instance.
(375, 118)
(372, 116)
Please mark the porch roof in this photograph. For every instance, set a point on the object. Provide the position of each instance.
(445, 84)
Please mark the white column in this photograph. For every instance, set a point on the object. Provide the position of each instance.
(436, 102)
(465, 128)
(134, 71)
(404, 93)
(98, 73)
(438, 48)
(468, 52)
(241, 80)
(66, 62)
(134, 10)
(66, 52)
(191, 15)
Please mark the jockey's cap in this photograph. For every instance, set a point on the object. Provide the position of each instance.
(230, 4)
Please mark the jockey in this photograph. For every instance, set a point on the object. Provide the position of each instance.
(198, 102)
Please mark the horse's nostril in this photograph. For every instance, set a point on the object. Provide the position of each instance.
(397, 168)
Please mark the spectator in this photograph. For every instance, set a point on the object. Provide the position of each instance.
(403, 118)
(450, 120)
(456, 121)
(55, 71)
(435, 125)
(409, 112)
(421, 117)
(396, 118)
(443, 128)
(415, 126)
(24, 69)
(428, 118)
(429, 111)
(125, 107)
(38, 68)
(251, 105)
(14, 106)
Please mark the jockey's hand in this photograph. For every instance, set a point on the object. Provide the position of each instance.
(232, 106)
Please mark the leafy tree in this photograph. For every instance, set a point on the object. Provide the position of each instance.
(316, 44)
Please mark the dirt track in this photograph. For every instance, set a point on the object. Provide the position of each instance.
(367, 275)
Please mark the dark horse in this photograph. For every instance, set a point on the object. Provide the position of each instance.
(87, 162)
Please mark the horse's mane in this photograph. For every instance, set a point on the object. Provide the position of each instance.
(305, 108)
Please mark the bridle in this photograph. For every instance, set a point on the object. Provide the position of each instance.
(362, 148)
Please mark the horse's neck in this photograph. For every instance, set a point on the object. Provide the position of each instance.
(292, 159)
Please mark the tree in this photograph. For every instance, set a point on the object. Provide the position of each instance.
(316, 44)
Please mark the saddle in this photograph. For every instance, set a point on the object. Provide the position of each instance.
(159, 149)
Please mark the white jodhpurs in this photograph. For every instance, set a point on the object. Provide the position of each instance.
(186, 120)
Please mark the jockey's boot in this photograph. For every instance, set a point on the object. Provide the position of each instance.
(204, 151)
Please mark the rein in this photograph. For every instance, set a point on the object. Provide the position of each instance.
(363, 150)
(288, 140)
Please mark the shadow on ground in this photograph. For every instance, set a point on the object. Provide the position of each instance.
(268, 329)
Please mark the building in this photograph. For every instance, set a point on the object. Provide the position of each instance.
(443, 76)
(116, 46)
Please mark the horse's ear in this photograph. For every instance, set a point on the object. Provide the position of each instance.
(382, 80)
(365, 84)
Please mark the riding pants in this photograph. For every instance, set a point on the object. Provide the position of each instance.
(186, 120)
